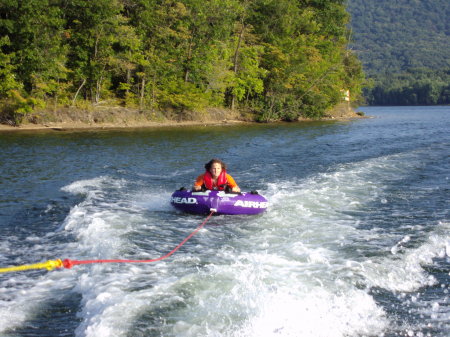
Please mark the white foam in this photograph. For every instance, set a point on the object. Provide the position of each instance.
(108, 308)
(21, 297)
(296, 281)
(406, 273)
(101, 225)
(98, 223)
(286, 273)
(85, 186)
(317, 314)
(155, 201)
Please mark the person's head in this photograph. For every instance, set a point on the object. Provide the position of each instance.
(215, 167)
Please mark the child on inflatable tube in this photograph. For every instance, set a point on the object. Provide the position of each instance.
(216, 178)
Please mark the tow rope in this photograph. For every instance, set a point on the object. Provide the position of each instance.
(66, 263)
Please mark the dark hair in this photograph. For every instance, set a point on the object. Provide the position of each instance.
(209, 164)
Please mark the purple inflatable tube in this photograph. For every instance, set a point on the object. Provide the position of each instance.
(220, 202)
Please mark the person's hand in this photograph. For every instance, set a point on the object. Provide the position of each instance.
(196, 188)
(236, 189)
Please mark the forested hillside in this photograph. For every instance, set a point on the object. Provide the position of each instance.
(405, 47)
(279, 59)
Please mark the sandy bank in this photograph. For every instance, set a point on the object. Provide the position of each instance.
(67, 126)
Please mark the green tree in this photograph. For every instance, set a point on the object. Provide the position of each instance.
(8, 80)
(305, 53)
(280, 59)
(92, 27)
(35, 30)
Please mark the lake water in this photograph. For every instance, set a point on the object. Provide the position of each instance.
(356, 240)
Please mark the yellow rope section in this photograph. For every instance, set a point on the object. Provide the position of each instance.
(49, 265)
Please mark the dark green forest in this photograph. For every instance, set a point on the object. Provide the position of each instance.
(404, 46)
(276, 59)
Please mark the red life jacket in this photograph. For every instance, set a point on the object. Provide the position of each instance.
(221, 181)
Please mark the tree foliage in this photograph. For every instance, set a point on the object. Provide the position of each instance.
(404, 46)
(279, 59)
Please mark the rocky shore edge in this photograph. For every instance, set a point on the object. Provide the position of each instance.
(73, 119)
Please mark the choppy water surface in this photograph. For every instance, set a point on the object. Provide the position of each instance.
(356, 241)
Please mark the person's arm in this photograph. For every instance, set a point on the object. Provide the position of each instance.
(232, 184)
(198, 183)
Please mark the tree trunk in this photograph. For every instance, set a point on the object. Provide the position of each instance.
(97, 90)
(141, 100)
(189, 56)
(152, 101)
(78, 91)
(128, 81)
(235, 62)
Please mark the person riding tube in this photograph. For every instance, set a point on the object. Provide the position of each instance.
(215, 178)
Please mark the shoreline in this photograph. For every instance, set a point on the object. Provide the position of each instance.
(74, 126)
(125, 119)
(71, 126)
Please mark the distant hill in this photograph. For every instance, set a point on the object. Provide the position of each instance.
(404, 46)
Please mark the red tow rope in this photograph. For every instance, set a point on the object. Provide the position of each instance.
(70, 263)
(52, 264)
